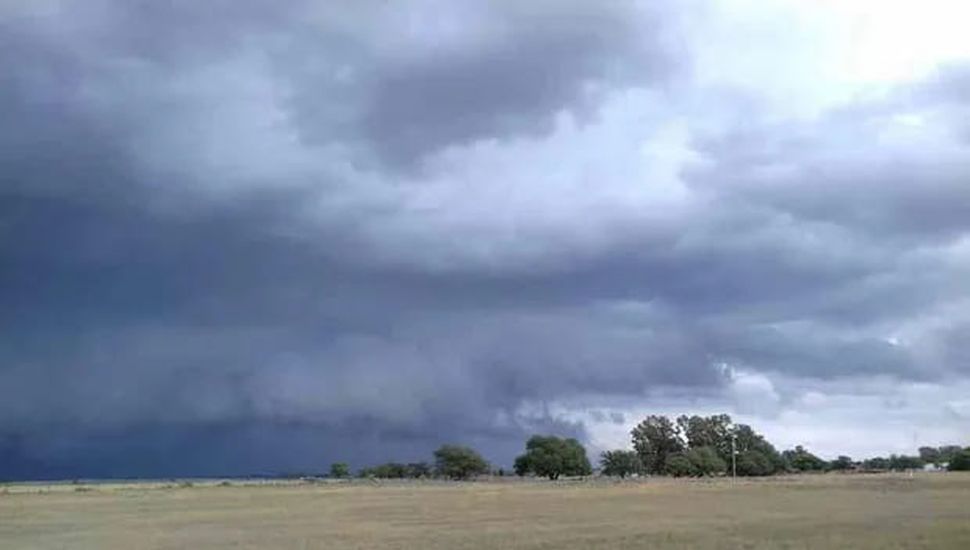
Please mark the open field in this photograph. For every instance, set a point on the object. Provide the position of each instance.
(831, 511)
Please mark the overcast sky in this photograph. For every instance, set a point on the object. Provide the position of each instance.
(254, 236)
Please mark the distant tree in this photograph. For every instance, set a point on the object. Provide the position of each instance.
(949, 452)
(417, 470)
(458, 462)
(706, 461)
(551, 456)
(707, 431)
(678, 465)
(657, 438)
(960, 462)
(339, 470)
(654, 439)
(620, 463)
(876, 463)
(930, 455)
(750, 440)
(754, 463)
(389, 470)
(800, 460)
(903, 462)
(841, 464)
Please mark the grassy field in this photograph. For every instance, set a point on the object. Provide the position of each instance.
(831, 511)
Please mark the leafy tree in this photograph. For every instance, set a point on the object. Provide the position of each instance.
(960, 462)
(876, 463)
(551, 456)
(458, 462)
(339, 470)
(706, 461)
(930, 455)
(800, 460)
(654, 439)
(750, 440)
(903, 462)
(620, 463)
(417, 470)
(841, 464)
(710, 431)
(678, 465)
(754, 463)
(949, 452)
(939, 455)
(389, 470)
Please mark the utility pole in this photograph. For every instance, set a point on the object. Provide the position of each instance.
(734, 455)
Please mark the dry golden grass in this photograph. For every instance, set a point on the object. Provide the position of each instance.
(832, 511)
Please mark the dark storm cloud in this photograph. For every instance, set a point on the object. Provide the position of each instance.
(515, 84)
(213, 261)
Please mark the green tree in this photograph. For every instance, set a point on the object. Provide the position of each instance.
(678, 465)
(948, 452)
(707, 431)
(930, 455)
(841, 464)
(655, 439)
(458, 462)
(800, 460)
(960, 462)
(620, 463)
(389, 470)
(551, 456)
(903, 462)
(749, 440)
(339, 470)
(706, 461)
(754, 463)
(417, 470)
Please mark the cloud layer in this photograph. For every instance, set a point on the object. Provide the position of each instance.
(247, 239)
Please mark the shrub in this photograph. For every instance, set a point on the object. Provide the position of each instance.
(960, 461)
(706, 461)
(679, 465)
(754, 463)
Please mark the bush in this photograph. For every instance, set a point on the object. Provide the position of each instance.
(841, 464)
(754, 463)
(960, 462)
(706, 461)
(679, 465)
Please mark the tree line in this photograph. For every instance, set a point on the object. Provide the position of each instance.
(687, 446)
(714, 445)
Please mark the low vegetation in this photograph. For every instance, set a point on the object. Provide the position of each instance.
(820, 511)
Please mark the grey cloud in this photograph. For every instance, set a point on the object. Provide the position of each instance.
(892, 169)
(212, 251)
(507, 74)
